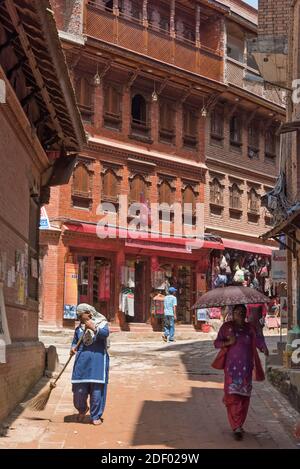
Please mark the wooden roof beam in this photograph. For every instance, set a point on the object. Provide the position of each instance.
(11, 9)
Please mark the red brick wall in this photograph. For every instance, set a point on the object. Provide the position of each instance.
(14, 223)
(273, 17)
(22, 162)
(25, 366)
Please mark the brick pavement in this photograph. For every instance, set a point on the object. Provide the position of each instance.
(160, 396)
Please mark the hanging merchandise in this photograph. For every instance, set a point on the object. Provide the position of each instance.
(264, 271)
(129, 305)
(223, 263)
(154, 264)
(104, 283)
(239, 276)
(131, 277)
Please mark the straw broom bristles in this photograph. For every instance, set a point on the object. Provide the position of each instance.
(40, 402)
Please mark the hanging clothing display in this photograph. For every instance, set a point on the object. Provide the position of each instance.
(126, 303)
(104, 283)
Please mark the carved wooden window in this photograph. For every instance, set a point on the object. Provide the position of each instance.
(81, 186)
(216, 192)
(253, 140)
(138, 189)
(139, 116)
(112, 107)
(253, 201)
(110, 185)
(84, 94)
(217, 124)
(190, 127)
(189, 197)
(236, 131)
(166, 192)
(270, 143)
(235, 201)
(166, 121)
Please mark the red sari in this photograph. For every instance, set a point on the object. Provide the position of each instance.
(240, 361)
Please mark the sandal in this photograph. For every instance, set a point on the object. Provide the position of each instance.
(80, 417)
(97, 422)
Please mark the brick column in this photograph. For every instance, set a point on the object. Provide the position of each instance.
(126, 114)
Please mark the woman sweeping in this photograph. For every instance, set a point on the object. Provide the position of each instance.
(239, 358)
(90, 372)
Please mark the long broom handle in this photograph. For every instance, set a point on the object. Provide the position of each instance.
(70, 358)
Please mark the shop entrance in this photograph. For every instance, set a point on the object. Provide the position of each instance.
(182, 277)
(134, 300)
(96, 283)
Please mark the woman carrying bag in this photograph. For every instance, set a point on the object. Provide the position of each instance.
(239, 359)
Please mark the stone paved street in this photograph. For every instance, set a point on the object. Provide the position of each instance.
(160, 396)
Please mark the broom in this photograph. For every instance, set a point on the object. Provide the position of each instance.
(39, 402)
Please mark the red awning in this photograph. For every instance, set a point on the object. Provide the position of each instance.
(147, 239)
(243, 246)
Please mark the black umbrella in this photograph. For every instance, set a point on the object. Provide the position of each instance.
(230, 296)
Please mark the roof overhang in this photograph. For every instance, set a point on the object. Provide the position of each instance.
(31, 31)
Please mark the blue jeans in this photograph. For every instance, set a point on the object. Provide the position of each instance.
(169, 327)
(97, 393)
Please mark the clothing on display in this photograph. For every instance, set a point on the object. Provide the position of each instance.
(127, 302)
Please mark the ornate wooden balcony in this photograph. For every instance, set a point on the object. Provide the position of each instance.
(129, 33)
(235, 75)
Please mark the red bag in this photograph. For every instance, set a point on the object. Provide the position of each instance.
(219, 361)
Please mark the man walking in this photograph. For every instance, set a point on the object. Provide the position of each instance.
(170, 304)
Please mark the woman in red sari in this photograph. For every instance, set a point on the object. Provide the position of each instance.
(237, 340)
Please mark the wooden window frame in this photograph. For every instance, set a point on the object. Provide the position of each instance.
(83, 197)
(217, 124)
(190, 140)
(167, 135)
(215, 181)
(117, 173)
(253, 145)
(232, 206)
(256, 209)
(111, 119)
(236, 142)
(270, 155)
(141, 129)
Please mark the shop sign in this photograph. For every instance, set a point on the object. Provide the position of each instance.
(44, 220)
(71, 291)
(279, 265)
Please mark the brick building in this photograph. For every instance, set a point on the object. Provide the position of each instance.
(39, 125)
(175, 111)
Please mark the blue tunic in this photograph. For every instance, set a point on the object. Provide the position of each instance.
(92, 361)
